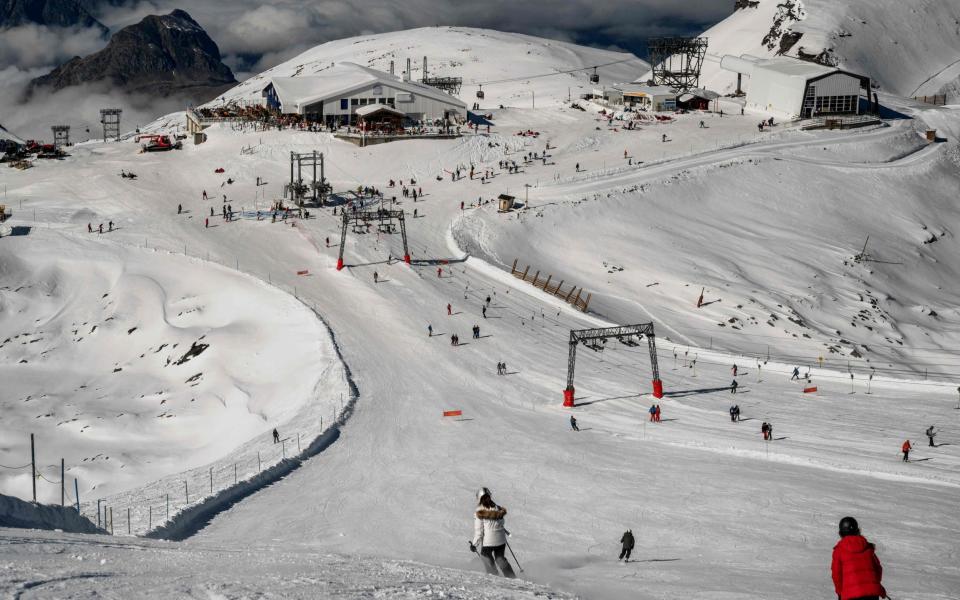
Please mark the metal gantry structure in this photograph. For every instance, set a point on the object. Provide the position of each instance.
(596, 339)
(61, 136)
(317, 189)
(362, 220)
(110, 119)
(676, 61)
(450, 85)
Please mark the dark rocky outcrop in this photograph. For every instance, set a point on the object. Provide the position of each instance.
(162, 55)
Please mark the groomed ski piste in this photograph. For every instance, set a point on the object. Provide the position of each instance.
(767, 224)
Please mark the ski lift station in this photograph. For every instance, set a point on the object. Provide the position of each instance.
(335, 95)
(792, 88)
(659, 98)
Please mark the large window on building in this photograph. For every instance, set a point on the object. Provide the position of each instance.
(836, 104)
(344, 103)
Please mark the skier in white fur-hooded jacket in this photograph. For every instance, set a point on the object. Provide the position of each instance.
(489, 535)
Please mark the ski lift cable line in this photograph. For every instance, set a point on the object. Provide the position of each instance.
(538, 76)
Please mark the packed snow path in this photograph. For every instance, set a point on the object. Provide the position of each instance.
(717, 512)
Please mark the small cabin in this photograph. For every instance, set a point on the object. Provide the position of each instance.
(505, 203)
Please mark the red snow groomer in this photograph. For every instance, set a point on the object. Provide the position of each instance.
(155, 142)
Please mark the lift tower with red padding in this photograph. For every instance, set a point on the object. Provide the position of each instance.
(629, 335)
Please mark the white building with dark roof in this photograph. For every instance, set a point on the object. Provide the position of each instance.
(793, 88)
(333, 96)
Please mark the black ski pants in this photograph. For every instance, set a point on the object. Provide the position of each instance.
(625, 553)
(493, 557)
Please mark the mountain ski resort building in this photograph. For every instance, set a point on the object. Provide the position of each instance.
(342, 95)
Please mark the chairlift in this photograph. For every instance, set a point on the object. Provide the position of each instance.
(594, 78)
(480, 93)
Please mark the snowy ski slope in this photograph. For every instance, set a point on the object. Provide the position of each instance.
(764, 222)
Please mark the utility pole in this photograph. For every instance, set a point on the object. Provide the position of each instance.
(63, 483)
(33, 469)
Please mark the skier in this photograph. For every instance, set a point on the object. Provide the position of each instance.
(578, 167)
(733, 387)
(449, 310)
(488, 300)
(204, 194)
(627, 545)
(490, 535)
(179, 208)
(736, 412)
(376, 276)
(664, 138)
(429, 330)
(855, 568)
(734, 369)
(484, 310)
(733, 413)
(906, 448)
(89, 228)
(930, 435)
(101, 228)
(499, 368)
(573, 423)
(206, 223)
(276, 436)
(439, 272)
(796, 373)
(702, 125)
(656, 414)
(653, 412)
(765, 430)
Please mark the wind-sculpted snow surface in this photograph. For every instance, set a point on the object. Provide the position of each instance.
(133, 364)
(54, 566)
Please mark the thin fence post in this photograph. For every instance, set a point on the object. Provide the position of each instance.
(76, 492)
(128, 520)
(298, 442)
(111, 520)
(283, 448)
(234, 473)
(186, 491)
(211, 480)
(33, 468)
(150, 521)
(258, 461)
(63, 485)
(98, 511)
(168, 507)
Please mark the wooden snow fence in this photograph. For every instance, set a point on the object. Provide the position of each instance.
(572, 295)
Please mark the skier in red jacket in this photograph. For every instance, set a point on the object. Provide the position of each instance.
(856, 569)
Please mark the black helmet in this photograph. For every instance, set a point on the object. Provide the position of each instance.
(849, 526)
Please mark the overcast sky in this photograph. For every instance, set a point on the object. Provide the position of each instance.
(253, 36)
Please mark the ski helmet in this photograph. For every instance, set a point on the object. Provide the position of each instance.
(482, 492)
(849, 526)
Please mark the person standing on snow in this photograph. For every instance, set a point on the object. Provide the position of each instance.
(276, 436)
(855, 567)
(490, 535)
(906, 448)
(733, 413)
(765, 430)
(449, 310)
(429, 330)
(796, 373)
(573, 423)
(930, 435)
(733, 387)
(627, 542)
(653, 412)
(734, 369)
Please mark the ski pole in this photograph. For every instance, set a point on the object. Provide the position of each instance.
(514, 556)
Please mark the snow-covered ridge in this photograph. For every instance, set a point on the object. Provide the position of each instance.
(476, 55)
(907, 48)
